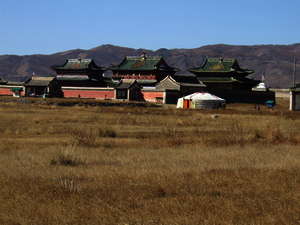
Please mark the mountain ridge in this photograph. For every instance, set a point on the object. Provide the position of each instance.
(275, 61)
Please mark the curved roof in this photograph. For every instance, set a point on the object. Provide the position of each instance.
(221, 65)
(143, 63)
(203, 96)
(39, 81)
(78, 64)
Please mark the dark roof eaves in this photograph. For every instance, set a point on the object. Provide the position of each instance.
(91, 65)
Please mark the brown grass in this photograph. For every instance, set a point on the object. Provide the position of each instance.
(68, 156)
(148, 165)
(84, 136)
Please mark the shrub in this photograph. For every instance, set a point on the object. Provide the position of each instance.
(234, 134)
(85, 137)
(68, 157)
(107, 132)
(273, 134)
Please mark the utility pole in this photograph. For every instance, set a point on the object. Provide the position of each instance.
(294, 73)
(293, 102)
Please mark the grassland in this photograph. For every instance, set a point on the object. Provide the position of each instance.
(134, 165)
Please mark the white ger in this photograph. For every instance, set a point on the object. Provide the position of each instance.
(201, 100)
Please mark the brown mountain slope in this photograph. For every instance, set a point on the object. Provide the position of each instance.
(276, 61)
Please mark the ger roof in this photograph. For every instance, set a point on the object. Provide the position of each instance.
(203, 96)
(78, 64)
(221, 65)
(139, 63)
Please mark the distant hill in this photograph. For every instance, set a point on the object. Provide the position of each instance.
(276, 61)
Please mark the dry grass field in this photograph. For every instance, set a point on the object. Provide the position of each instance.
(132, 165)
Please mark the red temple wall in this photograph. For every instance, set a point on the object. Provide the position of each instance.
(7, 91)
(152, 96)
(97, 94)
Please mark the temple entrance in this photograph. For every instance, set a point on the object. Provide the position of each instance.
(171, 97)
(121, 93)
(36, 91)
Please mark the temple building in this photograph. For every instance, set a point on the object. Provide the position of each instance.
(147, 70)
(80, 73)
(226, 79)
(83, 78)
(219, 73)
(295, 97)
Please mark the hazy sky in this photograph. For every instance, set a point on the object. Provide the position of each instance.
(48, 26)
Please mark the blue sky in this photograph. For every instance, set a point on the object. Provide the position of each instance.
(49, 26)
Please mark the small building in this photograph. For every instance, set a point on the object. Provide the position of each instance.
(150, 69)
(169, 90)
(295, 98)
(128, 89)
(42, 87)
(9, 88)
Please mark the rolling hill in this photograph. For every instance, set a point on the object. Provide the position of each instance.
(276, 61)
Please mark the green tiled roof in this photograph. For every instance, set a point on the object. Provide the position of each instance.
(78, 64)
(143, 63)
(220, 65)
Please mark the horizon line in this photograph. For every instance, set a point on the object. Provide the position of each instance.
(147, 49)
